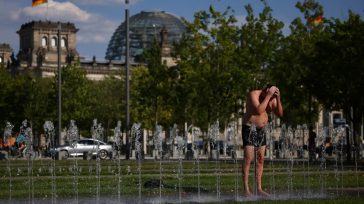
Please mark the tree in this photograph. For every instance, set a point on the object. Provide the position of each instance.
(337, 71)
(207, 88)
(26, 97)
(110, 99)
(261, 38)
(41, 102)
(291, 71)
(6, 96)
(78, 98)
(150, 90)
(19, 98)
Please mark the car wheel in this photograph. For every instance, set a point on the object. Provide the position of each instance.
(103, 154)
(64, 154)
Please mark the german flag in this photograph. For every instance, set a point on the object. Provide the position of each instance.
(316, 20)
(38, 2)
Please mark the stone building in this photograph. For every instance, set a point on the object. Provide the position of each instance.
(39, 42)
(146, 27)
(5, 54)
(38, 49)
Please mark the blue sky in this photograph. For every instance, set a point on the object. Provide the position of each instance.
(98, 19)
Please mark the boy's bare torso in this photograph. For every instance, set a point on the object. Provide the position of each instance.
(251, 116)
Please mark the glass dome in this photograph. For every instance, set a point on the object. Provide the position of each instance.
(144, 27)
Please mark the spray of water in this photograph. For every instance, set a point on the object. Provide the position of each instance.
(50, 142)
(8, 131)
(137, 135)
(181, 144)
(213, 134)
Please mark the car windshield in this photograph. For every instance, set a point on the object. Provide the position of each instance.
(89, 142)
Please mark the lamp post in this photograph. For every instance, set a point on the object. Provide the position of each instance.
(59, 82)
(127, 94)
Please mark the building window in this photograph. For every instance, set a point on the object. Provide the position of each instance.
(54, 42)
(44, 41)
(63, 42)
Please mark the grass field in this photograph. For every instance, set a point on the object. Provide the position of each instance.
(76, 179)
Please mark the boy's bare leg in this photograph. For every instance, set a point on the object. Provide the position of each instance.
(260, 165)
(248, 157)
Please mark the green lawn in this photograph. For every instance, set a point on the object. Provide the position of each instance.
(72, 179)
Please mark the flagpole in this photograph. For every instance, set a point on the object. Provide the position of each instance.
(127, 117)
(59, 83)
(47, 13)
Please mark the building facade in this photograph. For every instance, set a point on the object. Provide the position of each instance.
(144, 28)
(5, 54)
(39, 41)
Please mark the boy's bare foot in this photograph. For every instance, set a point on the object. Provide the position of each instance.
(247, 194)
(263, 193)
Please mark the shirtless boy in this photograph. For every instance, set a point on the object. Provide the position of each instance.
(258, 104)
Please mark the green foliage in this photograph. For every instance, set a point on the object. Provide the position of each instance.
(291, 72)
(26, 97)
(337, 67)
(150, 90)
(41, 104)
(209, 85)
(219, 61)
(78, 98)
(6, 95)
(84, 100)
(109, 103)
(261, 38)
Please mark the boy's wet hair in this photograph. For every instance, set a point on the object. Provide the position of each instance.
(266, 87)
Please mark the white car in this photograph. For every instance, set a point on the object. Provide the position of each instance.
(89, 146)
